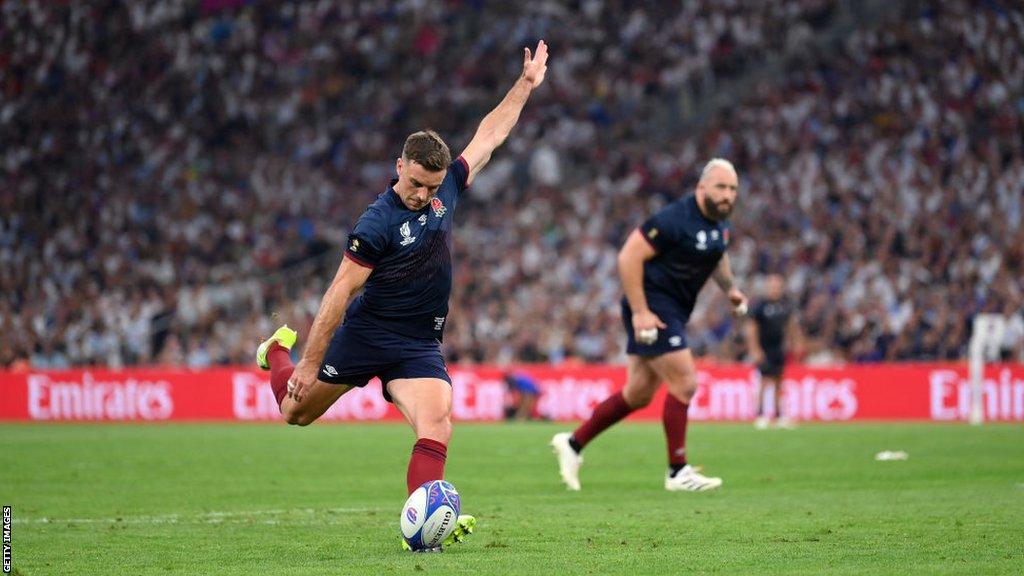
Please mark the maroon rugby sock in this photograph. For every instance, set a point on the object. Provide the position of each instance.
(426, 464)
(675, 419)
(281, 367)
(607, 413)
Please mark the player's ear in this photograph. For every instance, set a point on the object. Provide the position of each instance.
(398, 166)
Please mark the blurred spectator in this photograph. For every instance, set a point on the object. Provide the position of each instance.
(174, 173)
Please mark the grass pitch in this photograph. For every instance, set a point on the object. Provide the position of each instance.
(273, 499)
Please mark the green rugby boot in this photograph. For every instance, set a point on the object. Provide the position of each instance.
(284, 336)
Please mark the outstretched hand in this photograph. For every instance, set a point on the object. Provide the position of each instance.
(535, 65)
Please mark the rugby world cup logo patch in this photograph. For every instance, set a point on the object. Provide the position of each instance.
(410, 514)
(407, 237)
(438, 207)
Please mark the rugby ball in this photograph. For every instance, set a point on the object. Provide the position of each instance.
(430, 515)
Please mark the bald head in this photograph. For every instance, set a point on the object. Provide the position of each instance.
(717, 164)
(717, 189)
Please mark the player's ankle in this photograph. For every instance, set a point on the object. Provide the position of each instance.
(575, 445)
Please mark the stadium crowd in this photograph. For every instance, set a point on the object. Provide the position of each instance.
(179, 178)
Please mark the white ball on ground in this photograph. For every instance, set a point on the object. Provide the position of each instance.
(430, 515)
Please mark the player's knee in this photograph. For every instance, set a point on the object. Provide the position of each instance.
(684, 387)
(640, 402)
(639, 398)
(437, 427)
(300, 420)
(297, 417)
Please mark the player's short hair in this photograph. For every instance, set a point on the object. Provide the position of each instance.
(716, 163)
(427, 149)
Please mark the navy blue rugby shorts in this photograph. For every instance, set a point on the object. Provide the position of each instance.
(669, 339)
(361, 350)
(774, 362)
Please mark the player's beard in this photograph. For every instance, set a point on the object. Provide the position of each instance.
(719, 210)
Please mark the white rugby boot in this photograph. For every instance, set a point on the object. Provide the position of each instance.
(568, 460)
(690, 480)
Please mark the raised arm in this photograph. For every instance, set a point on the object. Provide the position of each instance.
(725, 280)
(347, 282)
(496, 126)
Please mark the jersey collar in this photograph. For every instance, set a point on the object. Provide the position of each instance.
(393, 196)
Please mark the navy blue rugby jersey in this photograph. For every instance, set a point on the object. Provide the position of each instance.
(772, 316)
(410, 254)
(688, 247)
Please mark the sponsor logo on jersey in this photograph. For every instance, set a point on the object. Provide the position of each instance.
(652, 233)
(438, 322)
(407, 237)
(355, 245)
(422, 220)
(438, 206)
(702, 240)
(675, 340)
(330, 370)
